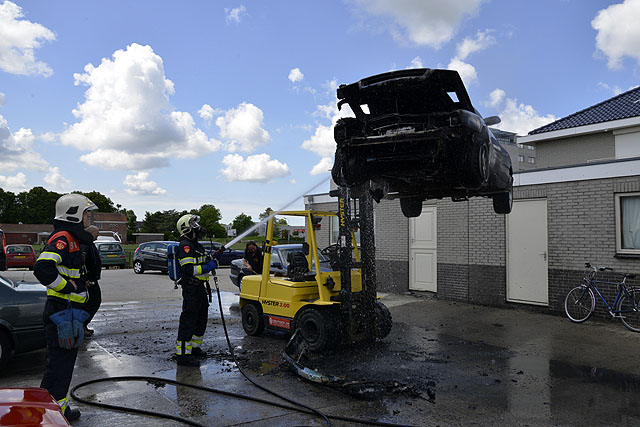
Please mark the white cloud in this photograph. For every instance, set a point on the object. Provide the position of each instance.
(431, 23)
(295, 75)
(140, 185)
(618, 32)
(482, 40)
(235, 14)
(518, 118)
(2, 99)
(15, 183)
(322, 142)
(126, 120)
(242, 128)
(206, 113)
(17, 149)
(467, 71)
(323, 166)
(19, 39)
(416, 63)
(256, 168)
(615, 89)
(56, 182)
(292, 181)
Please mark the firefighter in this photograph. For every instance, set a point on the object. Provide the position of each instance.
(59, 267)
(195, 266)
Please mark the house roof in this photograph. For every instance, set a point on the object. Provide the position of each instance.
(622, 106)
(27, 228)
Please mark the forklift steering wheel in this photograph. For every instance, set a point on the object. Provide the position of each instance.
(330, 250)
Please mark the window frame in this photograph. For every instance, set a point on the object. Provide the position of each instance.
(618, 220)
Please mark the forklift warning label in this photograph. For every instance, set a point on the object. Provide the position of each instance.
(279, 322)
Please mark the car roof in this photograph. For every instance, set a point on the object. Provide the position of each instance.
(18, 244)
(159, 241)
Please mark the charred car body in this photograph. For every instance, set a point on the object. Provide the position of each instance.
(421, 138)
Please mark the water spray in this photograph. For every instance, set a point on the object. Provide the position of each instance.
(256, 225)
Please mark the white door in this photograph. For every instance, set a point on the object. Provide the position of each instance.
(423, 260)
(527, 258)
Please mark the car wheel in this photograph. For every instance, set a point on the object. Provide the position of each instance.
(5, 349)
(503, 202)
(138, 268)
(411, 206)
(476, 173)
(252, 321)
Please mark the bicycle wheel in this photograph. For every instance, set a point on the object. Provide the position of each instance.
(579, 304)
(629, 310)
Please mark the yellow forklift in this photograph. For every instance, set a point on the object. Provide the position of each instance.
(325, 304)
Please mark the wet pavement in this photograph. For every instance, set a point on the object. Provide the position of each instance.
(444, 363)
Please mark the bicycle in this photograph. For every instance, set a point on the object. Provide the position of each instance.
(580, 302)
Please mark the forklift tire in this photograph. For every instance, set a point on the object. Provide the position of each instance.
(315, 328)
(252, 321)
(383, 320)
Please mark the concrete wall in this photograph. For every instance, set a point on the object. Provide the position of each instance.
(575, 150)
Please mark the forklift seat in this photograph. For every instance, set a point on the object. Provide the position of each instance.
(298, 269)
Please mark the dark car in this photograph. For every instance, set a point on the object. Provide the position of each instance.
(279, 257)
(20, 256)
(417, 136)
(225, 257)
(21, 324)
(111, 254)
(151, 256)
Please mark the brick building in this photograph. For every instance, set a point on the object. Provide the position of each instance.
(581, 204)
(110, 222)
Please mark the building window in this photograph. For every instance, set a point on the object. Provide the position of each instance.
(628, 223)
(521, 159)
(530, 147)
(520, 145)
(532, 160)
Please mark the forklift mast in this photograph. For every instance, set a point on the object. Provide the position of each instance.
(358, 308)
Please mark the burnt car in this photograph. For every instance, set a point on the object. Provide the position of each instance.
(279, 263)
(225, 257)
(20, 256)
(416, 136)
(21, 323)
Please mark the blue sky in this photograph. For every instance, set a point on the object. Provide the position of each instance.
(170, 105)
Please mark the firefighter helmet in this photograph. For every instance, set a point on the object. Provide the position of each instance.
(71, 207)
(188, 223)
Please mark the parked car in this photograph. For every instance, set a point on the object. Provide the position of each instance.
(151, 256)
(419, 138)
(111, 253)
(279, 257)
(20, 256)
(21, 324)
(30, 407)
(225, 257)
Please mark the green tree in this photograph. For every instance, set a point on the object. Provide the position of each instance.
(36, 206)
(132, 225)
(210, 217)
(242, 222)
(163, 222)
(8, 207)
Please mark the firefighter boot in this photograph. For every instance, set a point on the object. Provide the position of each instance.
(71, 414)
(187, 360)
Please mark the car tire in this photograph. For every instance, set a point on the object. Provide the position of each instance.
(138, 268)
(348, 171)
(411, 206)
(252, 320)
(503, 202)
(476, 169)
(5, 349)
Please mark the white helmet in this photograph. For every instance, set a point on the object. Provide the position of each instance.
(187, 223)
(71, 207)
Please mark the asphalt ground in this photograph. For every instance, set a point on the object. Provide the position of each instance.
(444, 363)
